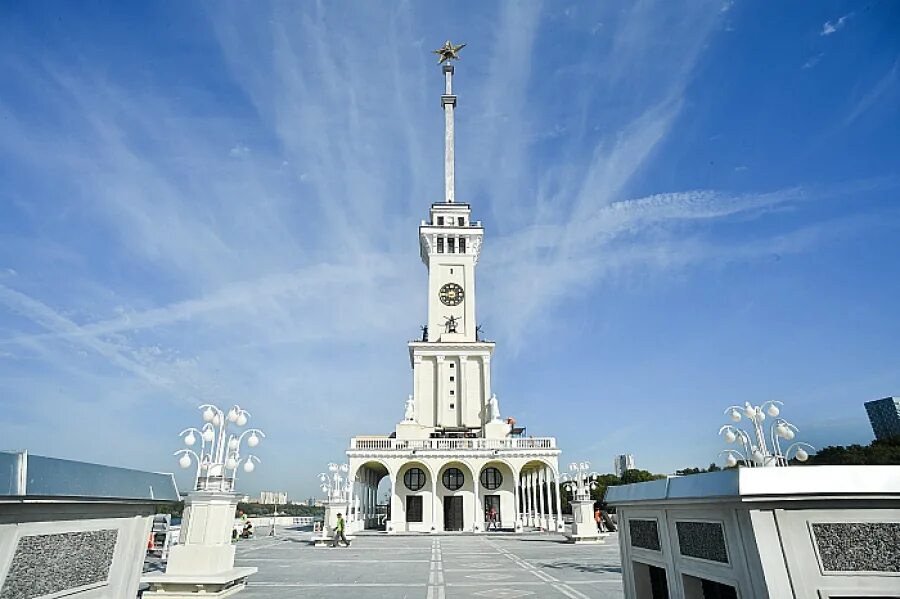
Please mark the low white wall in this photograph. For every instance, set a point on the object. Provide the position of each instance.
(83, 551)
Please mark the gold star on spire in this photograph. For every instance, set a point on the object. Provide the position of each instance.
(448, 52)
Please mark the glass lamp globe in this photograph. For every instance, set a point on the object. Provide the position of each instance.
(241, 419)
(749, 411)
(789, 434)
(185, 461)
(204, 465)
(802, 455)
(757, 455)
(208, 435)
(773, 411)
(730, 437)
(231, 463)
(731, 461)
(248, 466)
(333, 467)
(735, 415)
(781, 431)
(190, 439)
(217, 420)
(233, 443)
(232, 415)
(253, 440)
(208, 415)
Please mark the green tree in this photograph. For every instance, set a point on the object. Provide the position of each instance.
(881, 452)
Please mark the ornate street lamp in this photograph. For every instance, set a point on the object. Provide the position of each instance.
(580, 482)
(336, 483)
(756, 450)
(220, 448)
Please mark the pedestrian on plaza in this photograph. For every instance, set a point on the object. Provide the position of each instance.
(492, 518)
(598, 518)
(339, 532)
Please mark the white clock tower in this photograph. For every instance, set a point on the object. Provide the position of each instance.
(453, 463)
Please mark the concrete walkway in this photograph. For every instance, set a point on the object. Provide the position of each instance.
(431, 567)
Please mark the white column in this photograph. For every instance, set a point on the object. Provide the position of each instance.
(448, 100)
(461, 399)
(517, 513)
(486, 382)
(531, 499)
(479, 509)
(559, 517)
(441, 395)
(542, 522)
(434, 510)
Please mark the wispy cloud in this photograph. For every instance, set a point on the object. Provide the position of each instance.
(813, 61)
(886, 85)
(831, 27)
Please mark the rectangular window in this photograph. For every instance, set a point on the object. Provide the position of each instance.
(452, 392)
(462, 245)
(414, 508)
(452, 364)
(452, 379)
(440, 221)
(440, 245)
(461, 220)
(451, 245)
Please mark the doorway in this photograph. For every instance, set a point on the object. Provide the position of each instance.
(453, 512)
(492, 502)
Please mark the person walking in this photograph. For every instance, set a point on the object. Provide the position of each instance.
(598, 518)
(492, 519)
(339, 532)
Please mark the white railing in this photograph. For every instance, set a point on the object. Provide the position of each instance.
(389, 444)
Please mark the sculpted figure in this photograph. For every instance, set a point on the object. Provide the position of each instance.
(494, 408)
(410, 414)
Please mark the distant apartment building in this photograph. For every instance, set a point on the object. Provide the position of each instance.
(622, 463)
(884, 415)
(273, 498)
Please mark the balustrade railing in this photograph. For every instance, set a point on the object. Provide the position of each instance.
(390, 444)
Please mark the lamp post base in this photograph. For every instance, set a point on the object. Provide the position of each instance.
(584, 527)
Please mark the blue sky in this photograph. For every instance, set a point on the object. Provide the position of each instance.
(686, 206)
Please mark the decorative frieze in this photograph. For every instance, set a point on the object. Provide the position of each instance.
(858, 546)
(703, 540)
(644, 534)
(48, 564)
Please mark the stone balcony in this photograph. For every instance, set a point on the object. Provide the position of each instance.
(384, 443)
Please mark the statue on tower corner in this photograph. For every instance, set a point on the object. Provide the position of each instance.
(494, 408)
(451, 323)
(410, 414)
(448, 52)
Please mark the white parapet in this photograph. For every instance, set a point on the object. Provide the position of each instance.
(769, 533)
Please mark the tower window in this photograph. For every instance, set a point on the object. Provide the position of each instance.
(460, 220)
(452, 379)
(440, 245)
(451, 245)
(462, 245)
(453, 405)
(491, 479)
(440, 220)
(414, 479)
(452, 392)
(453, 478)
(452, 364)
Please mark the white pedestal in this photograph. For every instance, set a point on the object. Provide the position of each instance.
(332, 509)
(203, 561)
(584, 527)
(496, 429)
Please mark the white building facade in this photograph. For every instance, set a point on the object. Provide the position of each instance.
(623, 463)
(453, 464)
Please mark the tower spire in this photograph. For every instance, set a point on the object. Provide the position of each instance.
(446, 53)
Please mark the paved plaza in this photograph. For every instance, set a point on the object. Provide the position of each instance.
(452, 567)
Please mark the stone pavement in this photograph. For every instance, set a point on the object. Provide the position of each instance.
(537, 565)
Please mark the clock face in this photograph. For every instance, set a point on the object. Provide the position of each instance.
(451, 294)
